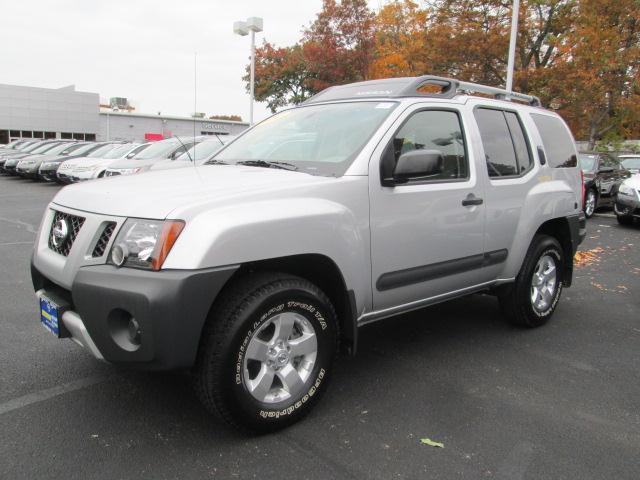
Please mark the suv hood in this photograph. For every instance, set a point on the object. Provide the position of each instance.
(156, 194)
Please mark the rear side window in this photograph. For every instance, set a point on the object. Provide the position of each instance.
(557, 143)
(505, 145)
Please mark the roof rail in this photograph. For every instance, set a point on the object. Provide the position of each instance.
(414, 87)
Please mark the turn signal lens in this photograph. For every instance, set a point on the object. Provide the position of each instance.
(170, 232)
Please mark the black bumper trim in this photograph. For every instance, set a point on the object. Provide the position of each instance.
(171, 307)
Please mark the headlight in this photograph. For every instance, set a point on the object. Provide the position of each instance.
(145, 243)
(625, 190)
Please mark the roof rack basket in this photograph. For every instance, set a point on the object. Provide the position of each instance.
(450, 87)
(415, 87)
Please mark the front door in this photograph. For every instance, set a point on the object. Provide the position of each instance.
(427, 233)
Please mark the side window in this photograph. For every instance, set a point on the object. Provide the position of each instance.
(496, 140)
(520, 145)
(557, 143)
(435, 130)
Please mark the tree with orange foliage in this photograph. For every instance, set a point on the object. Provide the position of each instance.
(596, 86)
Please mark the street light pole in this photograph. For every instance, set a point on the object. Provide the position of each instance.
(253, 25)
(512, 44)
(253, 74)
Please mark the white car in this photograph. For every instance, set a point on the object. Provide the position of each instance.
(198, 154)
(82, 169)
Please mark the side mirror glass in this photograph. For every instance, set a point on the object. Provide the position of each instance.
(418, 164)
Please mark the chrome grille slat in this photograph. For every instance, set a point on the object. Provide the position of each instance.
(74, 224)
(103, 241)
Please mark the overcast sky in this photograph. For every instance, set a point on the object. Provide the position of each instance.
(143, 49)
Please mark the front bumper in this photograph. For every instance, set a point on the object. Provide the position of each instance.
(48, 173)
(170, 306)
(627, 206)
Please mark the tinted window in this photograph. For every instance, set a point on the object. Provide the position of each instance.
(496, 140)
(556, 140)
(430, 130)
(520, 144)
(588, 162)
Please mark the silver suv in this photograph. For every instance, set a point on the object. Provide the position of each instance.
(367, 201)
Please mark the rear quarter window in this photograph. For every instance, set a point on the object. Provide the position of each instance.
(558, 144)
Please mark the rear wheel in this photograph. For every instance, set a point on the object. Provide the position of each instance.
(267, 351)
(590, 203)
(532, 299)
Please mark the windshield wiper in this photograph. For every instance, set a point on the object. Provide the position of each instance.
(268, 164)
(213, 161)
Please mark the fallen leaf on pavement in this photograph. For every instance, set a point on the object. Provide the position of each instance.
(431, 443)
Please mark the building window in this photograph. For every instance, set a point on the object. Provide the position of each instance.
(4, 136)
(78, 136)
(66, 136)
(90, 137)
(48, 135)
(27, 134)
(38, 135)
(14, 133)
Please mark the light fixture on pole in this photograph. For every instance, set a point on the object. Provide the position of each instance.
(253, 25)
(512, 44)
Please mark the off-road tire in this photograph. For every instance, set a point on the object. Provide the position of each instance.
(242, 309)
(516, 302)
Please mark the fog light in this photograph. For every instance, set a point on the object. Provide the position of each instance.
(134, 331)
(119, 254)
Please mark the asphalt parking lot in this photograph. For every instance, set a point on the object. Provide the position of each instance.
(559, 402)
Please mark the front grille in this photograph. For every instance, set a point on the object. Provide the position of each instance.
(103, 241)
(62, 244)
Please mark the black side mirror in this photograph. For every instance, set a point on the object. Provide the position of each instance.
(418, 164)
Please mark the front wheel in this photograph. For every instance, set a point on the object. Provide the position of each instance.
(267, 351)
(532, 299)
(590, 203)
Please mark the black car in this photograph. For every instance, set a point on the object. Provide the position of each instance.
(603, 175)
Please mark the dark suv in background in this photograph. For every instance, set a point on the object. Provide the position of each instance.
(603, 175)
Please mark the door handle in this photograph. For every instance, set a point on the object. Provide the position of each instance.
(471, 200)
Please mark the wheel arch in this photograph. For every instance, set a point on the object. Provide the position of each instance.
(326, 275)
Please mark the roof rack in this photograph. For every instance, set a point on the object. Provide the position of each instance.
(414, 87)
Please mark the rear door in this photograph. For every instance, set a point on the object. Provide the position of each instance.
(509, 169)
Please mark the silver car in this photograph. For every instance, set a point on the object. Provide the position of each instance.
(168, 149)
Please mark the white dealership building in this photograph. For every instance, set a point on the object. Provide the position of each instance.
(31, 112)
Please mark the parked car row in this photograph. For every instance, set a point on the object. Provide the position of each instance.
(602, 175)
(70, 161)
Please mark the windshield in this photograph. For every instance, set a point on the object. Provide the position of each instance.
(632, 163)
(161, 149)
(587, 162)
(78, 149)
(118, 152)
(201, 150)
(58, 148)
(100, 152)
(318, 139)
(31, 147)
(44, 148)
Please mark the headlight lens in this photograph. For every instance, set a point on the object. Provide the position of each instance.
(145, 243)
(625, 190)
